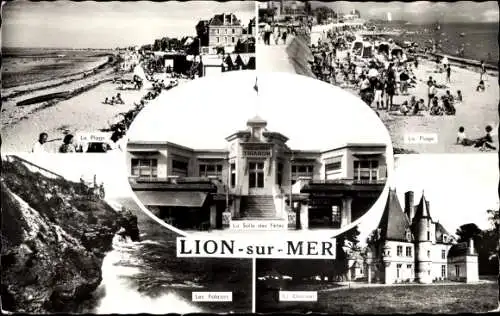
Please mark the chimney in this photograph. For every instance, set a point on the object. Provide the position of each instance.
(471, 246)
(409, 205)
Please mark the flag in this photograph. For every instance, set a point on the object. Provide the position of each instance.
(255, 87)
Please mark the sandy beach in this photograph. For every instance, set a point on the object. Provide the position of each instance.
(477, 110)
(82, 113)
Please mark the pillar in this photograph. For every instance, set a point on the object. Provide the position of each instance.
(369, 266)
(235, 210)
(213, 215)
(346, 211)
(304, 216)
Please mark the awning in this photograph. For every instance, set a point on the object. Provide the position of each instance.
(171, 198)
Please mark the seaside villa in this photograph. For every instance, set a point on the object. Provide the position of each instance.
(257, 177)
(409, 246)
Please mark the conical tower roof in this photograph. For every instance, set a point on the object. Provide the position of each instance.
(422, 209)
(394, 225)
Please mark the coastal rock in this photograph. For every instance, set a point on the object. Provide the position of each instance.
(53, 241)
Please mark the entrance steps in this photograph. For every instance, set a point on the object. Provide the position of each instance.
(257, 207)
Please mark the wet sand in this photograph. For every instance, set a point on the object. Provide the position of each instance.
(477, 110)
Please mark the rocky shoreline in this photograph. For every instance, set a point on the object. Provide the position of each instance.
(54, 239)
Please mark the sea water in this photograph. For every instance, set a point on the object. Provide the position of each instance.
(479, 40)
(119, 294)
(30, 65)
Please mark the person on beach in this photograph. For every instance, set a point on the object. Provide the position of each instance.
(484, 142)
(267, 34)
(390, 90)
(432, 91)
(106, 101)
(481, 87)
(482, 70)
(39, 147)
(404, 108)
(461, 137)
(459, 96)
(435, 108)
(379, 94)
(448, 73)
(67, 146)
(119, 98)
(448, 107)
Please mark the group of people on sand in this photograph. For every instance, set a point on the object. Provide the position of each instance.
(69, 145)
(277, 32)
(484, 143)
(114, 100)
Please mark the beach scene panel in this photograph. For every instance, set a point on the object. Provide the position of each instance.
(77, 89)
(393, 56)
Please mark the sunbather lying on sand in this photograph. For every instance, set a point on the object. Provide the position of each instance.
(484, 142)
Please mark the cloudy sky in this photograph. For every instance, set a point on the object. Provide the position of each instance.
(109, 24)
(422, 11)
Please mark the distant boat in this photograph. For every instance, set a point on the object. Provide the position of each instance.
(462, 34)
(438, 26)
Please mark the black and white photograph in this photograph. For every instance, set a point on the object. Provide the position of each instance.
(432, 249)
(74, 241)
(233, 159)
(429, 69)
(76, 73)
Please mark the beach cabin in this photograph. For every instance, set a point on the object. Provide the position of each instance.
(211, 65)
(362, 49)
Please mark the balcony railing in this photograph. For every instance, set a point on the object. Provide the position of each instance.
(348, 181)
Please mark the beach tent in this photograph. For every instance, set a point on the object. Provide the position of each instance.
(395, 50)
(384, 47)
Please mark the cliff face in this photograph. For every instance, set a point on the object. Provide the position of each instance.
(54, 238)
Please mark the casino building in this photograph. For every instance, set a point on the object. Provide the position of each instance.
(256, 177)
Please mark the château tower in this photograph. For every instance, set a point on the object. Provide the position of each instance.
(424, 230)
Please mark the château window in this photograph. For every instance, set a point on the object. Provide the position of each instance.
(179, 168)
(233, 31)
(256, 175)
(210, 170)
(217, 39)
(365, 170)
(408, 251)
(443, 271)
(399, 251)
(428, 253)
(443, 254)
(145, 167)
(233, 39)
